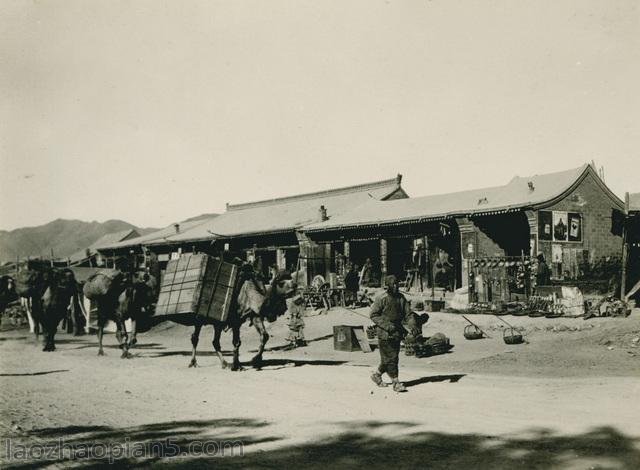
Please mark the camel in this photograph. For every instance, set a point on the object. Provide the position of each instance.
(49, 292)
(7, 292)
(30, 285)
(120, 296)
(255, 303)
(60, 292)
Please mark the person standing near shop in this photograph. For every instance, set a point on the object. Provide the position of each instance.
(351, 284)
(389, 312)
(420, 265)
(543, 274)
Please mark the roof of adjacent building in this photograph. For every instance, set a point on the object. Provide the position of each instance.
(286, 213)
(634, 202)
(520, 192)
(159, 235)
(105, 240)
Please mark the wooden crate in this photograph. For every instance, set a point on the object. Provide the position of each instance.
(350, 338)
(198, 284)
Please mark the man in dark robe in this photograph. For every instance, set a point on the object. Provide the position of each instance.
(389, 312)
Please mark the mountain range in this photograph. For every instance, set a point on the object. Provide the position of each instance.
(64, 237)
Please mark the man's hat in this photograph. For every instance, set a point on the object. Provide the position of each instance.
(390, 280)
(417, 306)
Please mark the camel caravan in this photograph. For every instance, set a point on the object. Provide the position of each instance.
(51, 296)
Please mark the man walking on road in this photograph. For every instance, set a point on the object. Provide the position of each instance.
(389, 312)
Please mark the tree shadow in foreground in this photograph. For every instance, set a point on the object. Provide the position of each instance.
(360, 444)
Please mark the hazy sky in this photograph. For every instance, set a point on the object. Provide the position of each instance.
(155, 111)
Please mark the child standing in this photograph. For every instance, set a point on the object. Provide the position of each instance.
(296, 307)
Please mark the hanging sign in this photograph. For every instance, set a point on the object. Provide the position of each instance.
(575, 227)
(560, 226)
(544, 225)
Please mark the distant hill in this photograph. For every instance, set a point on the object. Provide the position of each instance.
(66, 237)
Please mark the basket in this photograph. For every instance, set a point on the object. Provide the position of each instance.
(437, 344)
(472, 332)
(511, 336)
(409, 349)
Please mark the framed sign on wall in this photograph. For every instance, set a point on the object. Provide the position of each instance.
(560, 226)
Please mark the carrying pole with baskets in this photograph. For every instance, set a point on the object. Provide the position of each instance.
(473, 331)
(511, 335)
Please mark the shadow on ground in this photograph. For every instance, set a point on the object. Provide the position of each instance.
(360, 444)
(275, 364)
(286, 346)
(30, 374)
(434, 378)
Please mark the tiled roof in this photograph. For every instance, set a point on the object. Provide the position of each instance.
(105, 240)
(285, 214)
(514, 195)
(158, 235)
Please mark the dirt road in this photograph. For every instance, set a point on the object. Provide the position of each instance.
(568, 399)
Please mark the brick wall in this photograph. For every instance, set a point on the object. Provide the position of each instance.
(595, 206)
(588, 199)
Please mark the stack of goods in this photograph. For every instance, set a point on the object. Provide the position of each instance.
(499, 280)
(432, 346)
(549, 306)
(198, 284)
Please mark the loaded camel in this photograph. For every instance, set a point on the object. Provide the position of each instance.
(120, 296)
(253, 302)
(50, 292)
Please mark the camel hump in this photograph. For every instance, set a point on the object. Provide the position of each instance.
(250, 299)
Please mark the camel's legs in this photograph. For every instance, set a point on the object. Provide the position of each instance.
(35, 310)
(123, 338)
(236, 347)
(46, 346)
(217, 331)
(194, 344)
(134, 340)
(264, 337)
(101, 322)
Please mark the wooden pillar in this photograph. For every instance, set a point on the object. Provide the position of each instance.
(532, 219)
(625, 248)
(383, 259)
(281, 261)
(468, 246)
(346, 251)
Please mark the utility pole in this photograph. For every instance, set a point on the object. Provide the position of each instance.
(625, 255)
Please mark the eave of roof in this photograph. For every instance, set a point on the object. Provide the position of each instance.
(282, 215)
(577, 176)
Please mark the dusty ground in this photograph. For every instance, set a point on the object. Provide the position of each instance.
(567, 399)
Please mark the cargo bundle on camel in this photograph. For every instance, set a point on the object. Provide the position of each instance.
(120, 296)
(49, 291)
(199, 290)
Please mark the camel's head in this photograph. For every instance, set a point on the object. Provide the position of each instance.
(283, 285)
(63, 280)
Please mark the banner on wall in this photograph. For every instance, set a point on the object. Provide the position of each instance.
(560, 226)
(556, 253)
(575, 227)
(544, 225)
